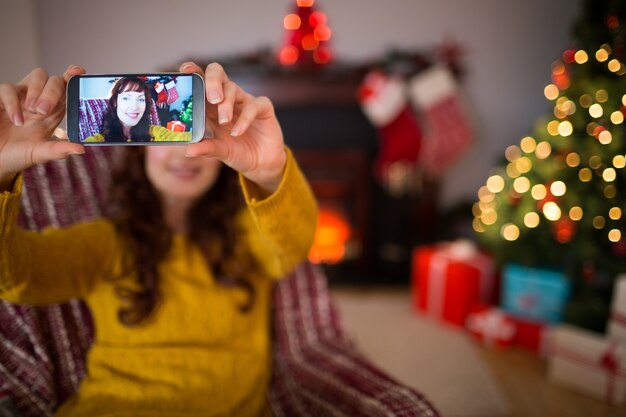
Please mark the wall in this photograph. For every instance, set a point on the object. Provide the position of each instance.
(509, 46)
(20, 45)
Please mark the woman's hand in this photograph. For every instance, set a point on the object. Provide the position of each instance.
(29, 113)
(247, 135)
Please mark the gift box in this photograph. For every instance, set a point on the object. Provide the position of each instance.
(588, 363)
(616, 328)
(534, 293)
(532, 334)
(176, 126)
(491, 325)
(450, 278)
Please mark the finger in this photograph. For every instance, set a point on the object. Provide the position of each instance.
(73, 70)
(9, 99)
(52, 93)
(258, 107)
(190, 67)
(35, 82)
(232, 92)
(55, 149)
(214, 80)
(212, 148)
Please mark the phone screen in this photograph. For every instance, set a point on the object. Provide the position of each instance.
(135, 109)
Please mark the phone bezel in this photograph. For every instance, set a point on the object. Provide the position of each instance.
(72, 110)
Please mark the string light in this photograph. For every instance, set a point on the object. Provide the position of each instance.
(539, 192)
(615, 235)
(558, 188)
(605, 137)
(585, 100)
(510, 232)
(553, 127)
(602, 96)
(619, 161)
(531, 220)
(572, 160)
(617, 117)
(544, 149)
(523, 164)
(521, 185)
(565, 128)
(615, 213)
(551, 211)
(602, 55)
(495, 184)
(511, 170)
(609, 175)
(599, 222)
(551, 91)
(610, 191)
(576, 213)
(595, 110)
(528, 144)
(512, 153)
(489, 217)
(581, 57)
(585, 175)
(614, 65)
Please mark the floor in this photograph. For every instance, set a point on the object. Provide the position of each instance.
(521, 375)
(518, 376)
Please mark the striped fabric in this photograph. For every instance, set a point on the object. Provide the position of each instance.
(316, 369)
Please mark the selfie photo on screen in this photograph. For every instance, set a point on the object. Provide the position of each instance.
(136, 109)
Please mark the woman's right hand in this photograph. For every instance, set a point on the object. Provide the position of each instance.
(29, 113)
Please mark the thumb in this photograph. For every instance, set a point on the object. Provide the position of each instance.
(213, 148)
(54, 150)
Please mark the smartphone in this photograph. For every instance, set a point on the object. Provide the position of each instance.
(135, 109)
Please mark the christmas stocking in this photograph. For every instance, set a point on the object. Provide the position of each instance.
(162, 94)
(172, 92)
(384, 102)
(447, 135)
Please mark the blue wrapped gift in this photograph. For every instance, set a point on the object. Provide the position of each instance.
(534, 293)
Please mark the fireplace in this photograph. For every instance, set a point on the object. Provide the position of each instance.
(365, 233)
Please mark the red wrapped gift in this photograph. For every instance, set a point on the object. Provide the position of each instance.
(176, 126)
(450, 278)
(492, 326)
(532, 334)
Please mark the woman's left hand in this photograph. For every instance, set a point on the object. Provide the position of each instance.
(246, 134)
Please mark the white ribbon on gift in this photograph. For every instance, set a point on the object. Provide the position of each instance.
(493, 325)
(461, 250)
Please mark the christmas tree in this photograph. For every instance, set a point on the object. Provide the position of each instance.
(559, 198)
(306, 37)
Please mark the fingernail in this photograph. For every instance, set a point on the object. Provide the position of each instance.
(223, 119)
(214, 97)
(186, 66)
(43, 108)
(77, 152)
(236, 131)
(17, 120)
(30, 105)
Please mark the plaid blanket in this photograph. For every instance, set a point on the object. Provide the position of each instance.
(317, 371)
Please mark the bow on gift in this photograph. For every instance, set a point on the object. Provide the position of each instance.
(493, 325)
(610, 362)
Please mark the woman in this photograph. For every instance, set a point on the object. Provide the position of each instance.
(127, 118)
(178, 281)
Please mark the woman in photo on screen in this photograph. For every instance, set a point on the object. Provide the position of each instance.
(127, 118)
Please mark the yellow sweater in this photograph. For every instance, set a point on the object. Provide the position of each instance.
(197, 355)
(158, 134)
